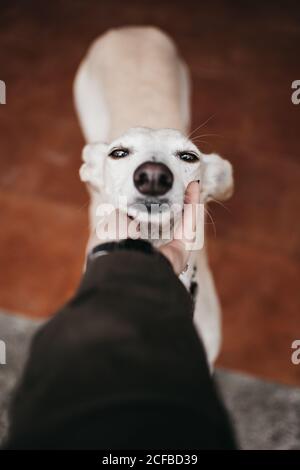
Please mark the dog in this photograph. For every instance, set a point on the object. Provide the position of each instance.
(132, 94)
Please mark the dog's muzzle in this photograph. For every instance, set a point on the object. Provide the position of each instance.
(153, 179)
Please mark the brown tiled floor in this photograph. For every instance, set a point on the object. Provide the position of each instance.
(242, 60)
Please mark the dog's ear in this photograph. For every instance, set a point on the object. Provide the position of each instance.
(91, 172)
(217, 182)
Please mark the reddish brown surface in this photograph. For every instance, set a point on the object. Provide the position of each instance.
(243, 60)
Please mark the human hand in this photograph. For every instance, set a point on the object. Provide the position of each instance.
(178, 251)
(116, 226)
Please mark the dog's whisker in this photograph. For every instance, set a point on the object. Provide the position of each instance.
(83, 206)
(202, 142)
(201, 125)
(207, 135)
(212, 221)
(221, 204)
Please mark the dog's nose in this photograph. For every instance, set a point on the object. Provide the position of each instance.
(153, 179)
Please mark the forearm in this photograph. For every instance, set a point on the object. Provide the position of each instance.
(126, 341)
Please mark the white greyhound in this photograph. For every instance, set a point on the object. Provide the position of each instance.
(132, 98)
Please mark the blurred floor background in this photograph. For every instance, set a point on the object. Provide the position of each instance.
(243, 57)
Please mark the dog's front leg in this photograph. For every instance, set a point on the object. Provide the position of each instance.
(207, 313)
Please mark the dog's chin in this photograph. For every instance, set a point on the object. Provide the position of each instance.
(152, 210)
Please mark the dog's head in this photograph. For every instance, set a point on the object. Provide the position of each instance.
(150, 166)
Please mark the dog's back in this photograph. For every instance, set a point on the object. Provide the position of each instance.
(131, 77)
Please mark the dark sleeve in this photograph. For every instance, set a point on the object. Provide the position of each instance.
(120, 366)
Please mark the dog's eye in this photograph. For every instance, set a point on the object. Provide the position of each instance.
(188, 157)
(119, 153)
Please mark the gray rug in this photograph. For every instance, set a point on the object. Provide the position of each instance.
(265, 415)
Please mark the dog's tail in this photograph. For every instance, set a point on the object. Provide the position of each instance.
(131, 77)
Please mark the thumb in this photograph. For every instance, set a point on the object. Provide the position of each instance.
(191, 200)
(177, 251)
